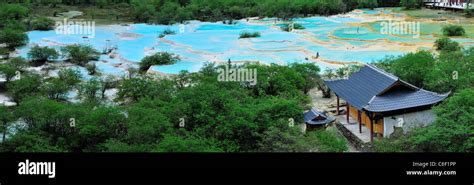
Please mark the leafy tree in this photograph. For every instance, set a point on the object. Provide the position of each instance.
(167, 13)
(55, 89)
(160, 58)
(71, 77)
(413, 67)
(183, 14)
(142, 11)
(48, 117)
(80, 54)
(53, 121)
(277, 80)
(90, 92)
(91, 68)
(12, 12)
(272, 111)
(453, 71)
(12, 68)
(310, 73)
(146, 125)
(108, 82)
(27, 85)
(29, 142)
(8, 71)
(134, 89)
(454, 119)
(5, 118)
(17, 25)
(42, 54)
(18, 63)
(98, 126)
(13, 38)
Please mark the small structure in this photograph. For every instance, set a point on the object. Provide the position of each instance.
(382, 102)
(449, 4)
(315, 119)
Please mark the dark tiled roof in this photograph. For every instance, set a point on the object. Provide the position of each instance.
(368, 89)
(404, 99)
(309, 117)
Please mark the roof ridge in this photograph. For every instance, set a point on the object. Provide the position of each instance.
(381, 71)
(370, 101)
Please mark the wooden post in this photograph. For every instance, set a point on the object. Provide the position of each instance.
(371, 128)
(359, 119)
(337, 107)
(347, 112)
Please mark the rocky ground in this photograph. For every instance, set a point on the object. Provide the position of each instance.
(327, 104)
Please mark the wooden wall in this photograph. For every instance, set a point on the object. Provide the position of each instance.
(378, 125)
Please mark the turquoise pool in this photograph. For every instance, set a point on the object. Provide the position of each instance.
(335, 38)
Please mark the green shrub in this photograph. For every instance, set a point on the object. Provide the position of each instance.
(453, 30)
(296, 26)
(8, 71)
(42, 23)
(4, 52)
(91, 68)
(167, 32)
(42, 54)
(19, 26)
(27, 85)
(160, 58)
(80, 54)
(13, 38)
(19, 63)
(12, 12)
(328, 141)
(389, 145)
(246, 34)
(446, 44)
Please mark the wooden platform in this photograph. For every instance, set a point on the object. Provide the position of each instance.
(461, 6)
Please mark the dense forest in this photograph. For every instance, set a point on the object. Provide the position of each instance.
(194, 111)
(190, 112)
(172, 11)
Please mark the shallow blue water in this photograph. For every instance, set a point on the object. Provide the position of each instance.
(199, 42)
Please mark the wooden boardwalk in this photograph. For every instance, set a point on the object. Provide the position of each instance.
(441, 4)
